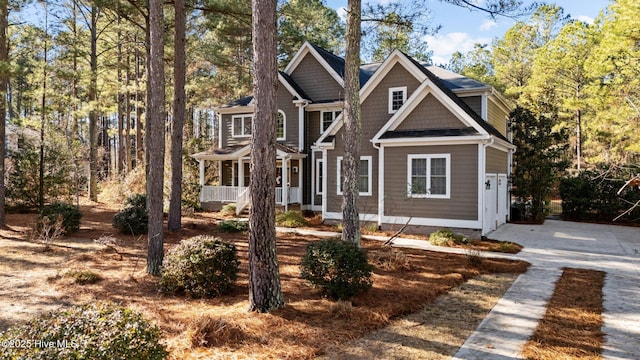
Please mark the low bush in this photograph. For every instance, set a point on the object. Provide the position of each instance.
(445, 237)
(82, 277)
(340, 268)
(102, 331)
(133, 219)
(70, 215)
(233, 226)
(290, 219)
(228, 209)
(201, 266)
(390, 259)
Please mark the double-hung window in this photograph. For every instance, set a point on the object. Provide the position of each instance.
(241, 125)
(281, 121)
(326, 118)
(364, 176)
(429, 176)
(397, 97)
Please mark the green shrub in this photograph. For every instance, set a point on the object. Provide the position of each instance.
(70, 216)
(134, 219)
(290, 219)
(229, 209)
(200, 266)
(445, 237)
(83, 276)
(340, 268)
(233, 226)
(593, 195)
(96, 331)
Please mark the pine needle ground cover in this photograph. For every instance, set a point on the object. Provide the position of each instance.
(220, 327)
(570, 328)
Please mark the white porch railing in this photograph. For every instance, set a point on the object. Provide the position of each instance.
(220, 193)
(244, 197)
(232, 193)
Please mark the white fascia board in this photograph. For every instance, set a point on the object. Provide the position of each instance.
(502, 145)
(304, 50)
(454, 223)
(485, 90)
(384, 68)
(235, 110)
(499, 101)
(289, 87)
(441, 140)
(418, 95)
(326, 106)
(395, 57)
(426, 88)
(332, 129)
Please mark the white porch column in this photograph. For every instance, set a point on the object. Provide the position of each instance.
(240, 174)
(285, 183)
(201, 168)
(300, 192)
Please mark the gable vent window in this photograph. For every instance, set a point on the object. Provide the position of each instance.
(397, 97)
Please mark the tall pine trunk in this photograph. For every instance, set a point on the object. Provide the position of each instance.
(155, 137)
(179, 96)
(265, 292)
(351, 134)
(93, 114)
(4, 80)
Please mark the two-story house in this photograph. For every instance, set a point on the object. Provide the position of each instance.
(435, 147)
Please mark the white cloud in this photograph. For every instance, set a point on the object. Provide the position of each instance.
(587, 19)
(444, 45)
(488, 25)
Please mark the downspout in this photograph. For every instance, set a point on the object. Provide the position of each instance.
(380, 183)
(301, 104)
(482, 179)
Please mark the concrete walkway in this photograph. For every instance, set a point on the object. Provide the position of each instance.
(549, 248)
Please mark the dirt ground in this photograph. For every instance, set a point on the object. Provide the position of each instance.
(309, 326)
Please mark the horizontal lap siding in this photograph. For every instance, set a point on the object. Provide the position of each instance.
(474, 102)
(375, 113)
(430, 114)
(496, 161)
(463, 204)
(316, 81)
(497, 118)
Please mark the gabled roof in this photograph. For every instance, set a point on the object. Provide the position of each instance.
(286, 80)
(430, 84)
(441, 85)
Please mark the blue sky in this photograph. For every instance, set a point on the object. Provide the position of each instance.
(461, 28)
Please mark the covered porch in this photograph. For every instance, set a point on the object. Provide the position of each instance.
(234, 175)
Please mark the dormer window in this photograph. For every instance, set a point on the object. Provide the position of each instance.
(326, 118)
(397, 97)
(241, 125)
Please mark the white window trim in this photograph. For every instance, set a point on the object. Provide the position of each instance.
(240, 118)
(319, 176)
(335, 115)
(404, 97)
(369, 159)
(284, 124)
(428, 157)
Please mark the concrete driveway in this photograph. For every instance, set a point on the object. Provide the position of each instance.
(550, 247)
